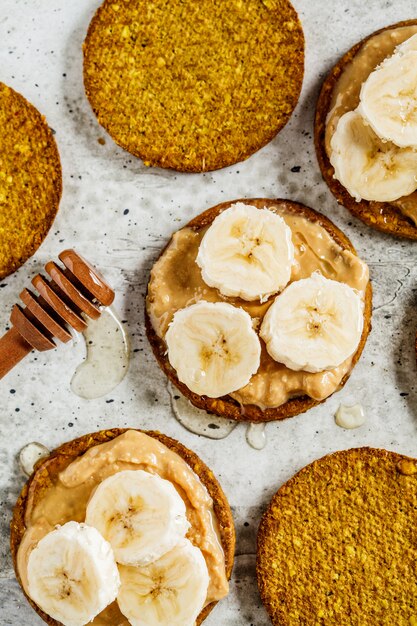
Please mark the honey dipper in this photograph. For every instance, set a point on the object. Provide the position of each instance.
(73, 289)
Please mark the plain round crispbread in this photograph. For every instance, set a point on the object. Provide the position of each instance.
(60, 458)
(380, 215)
(338, 543)
(227, 406)
(30, 180)
(193, 86)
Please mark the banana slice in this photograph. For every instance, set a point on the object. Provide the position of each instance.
(213, 348)
(408, 44)
(314, 325)
(140, 514)
(72, 574)
(169, 592)
(388, 98)
(367, 167)
(247, 253)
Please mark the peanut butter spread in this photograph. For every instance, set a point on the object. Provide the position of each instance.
(176, 283)
(66, 499)
(345, 96)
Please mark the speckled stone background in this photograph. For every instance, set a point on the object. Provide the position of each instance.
(120, 213)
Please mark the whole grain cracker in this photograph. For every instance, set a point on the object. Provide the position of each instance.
(47, 469)
(380, 215)
(227, 406)
(338, 543)
(193, 86)
(30, 179)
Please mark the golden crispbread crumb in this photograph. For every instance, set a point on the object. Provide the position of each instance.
(30, 179)
(193, 86)
(338, 543)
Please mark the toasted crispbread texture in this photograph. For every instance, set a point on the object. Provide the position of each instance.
(338, 543)
(227, 406)
(193, 86)
(30, 180)
(60, 458)
(380, 215)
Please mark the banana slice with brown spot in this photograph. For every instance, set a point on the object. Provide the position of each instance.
(247, 253)
(314, 325)
(213, 348)
(72, 574)
(388, 98)
(169, 592)
(368, 167)
(140, 514)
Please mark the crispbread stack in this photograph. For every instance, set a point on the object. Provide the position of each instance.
(338, 543)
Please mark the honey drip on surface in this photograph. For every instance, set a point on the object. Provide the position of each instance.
(107, 358)
(350, 416)
(200, 422)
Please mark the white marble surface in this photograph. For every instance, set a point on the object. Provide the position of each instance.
(40, 55)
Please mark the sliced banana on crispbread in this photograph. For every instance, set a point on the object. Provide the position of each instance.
(213, 347)
(247, 253)
(314, 325)
(366, 129)
(154, 504)
(72, 574)
(140, 514)
(253, 355)
(368, 167)
(388, 98)
(171, 590)
(374, 147)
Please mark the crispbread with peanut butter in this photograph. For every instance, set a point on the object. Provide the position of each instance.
(30, 180)
(227, 406)
(338, 543)
(46, 470)
(193, 86)
(384, 216)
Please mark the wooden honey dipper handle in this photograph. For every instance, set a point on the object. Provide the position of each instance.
(13, 348)
(74, 292)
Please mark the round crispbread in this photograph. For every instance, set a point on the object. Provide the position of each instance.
(193, 86)
(338, 543)
(380, 215)
(59, 459)
(227, 406)
(30, 180)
